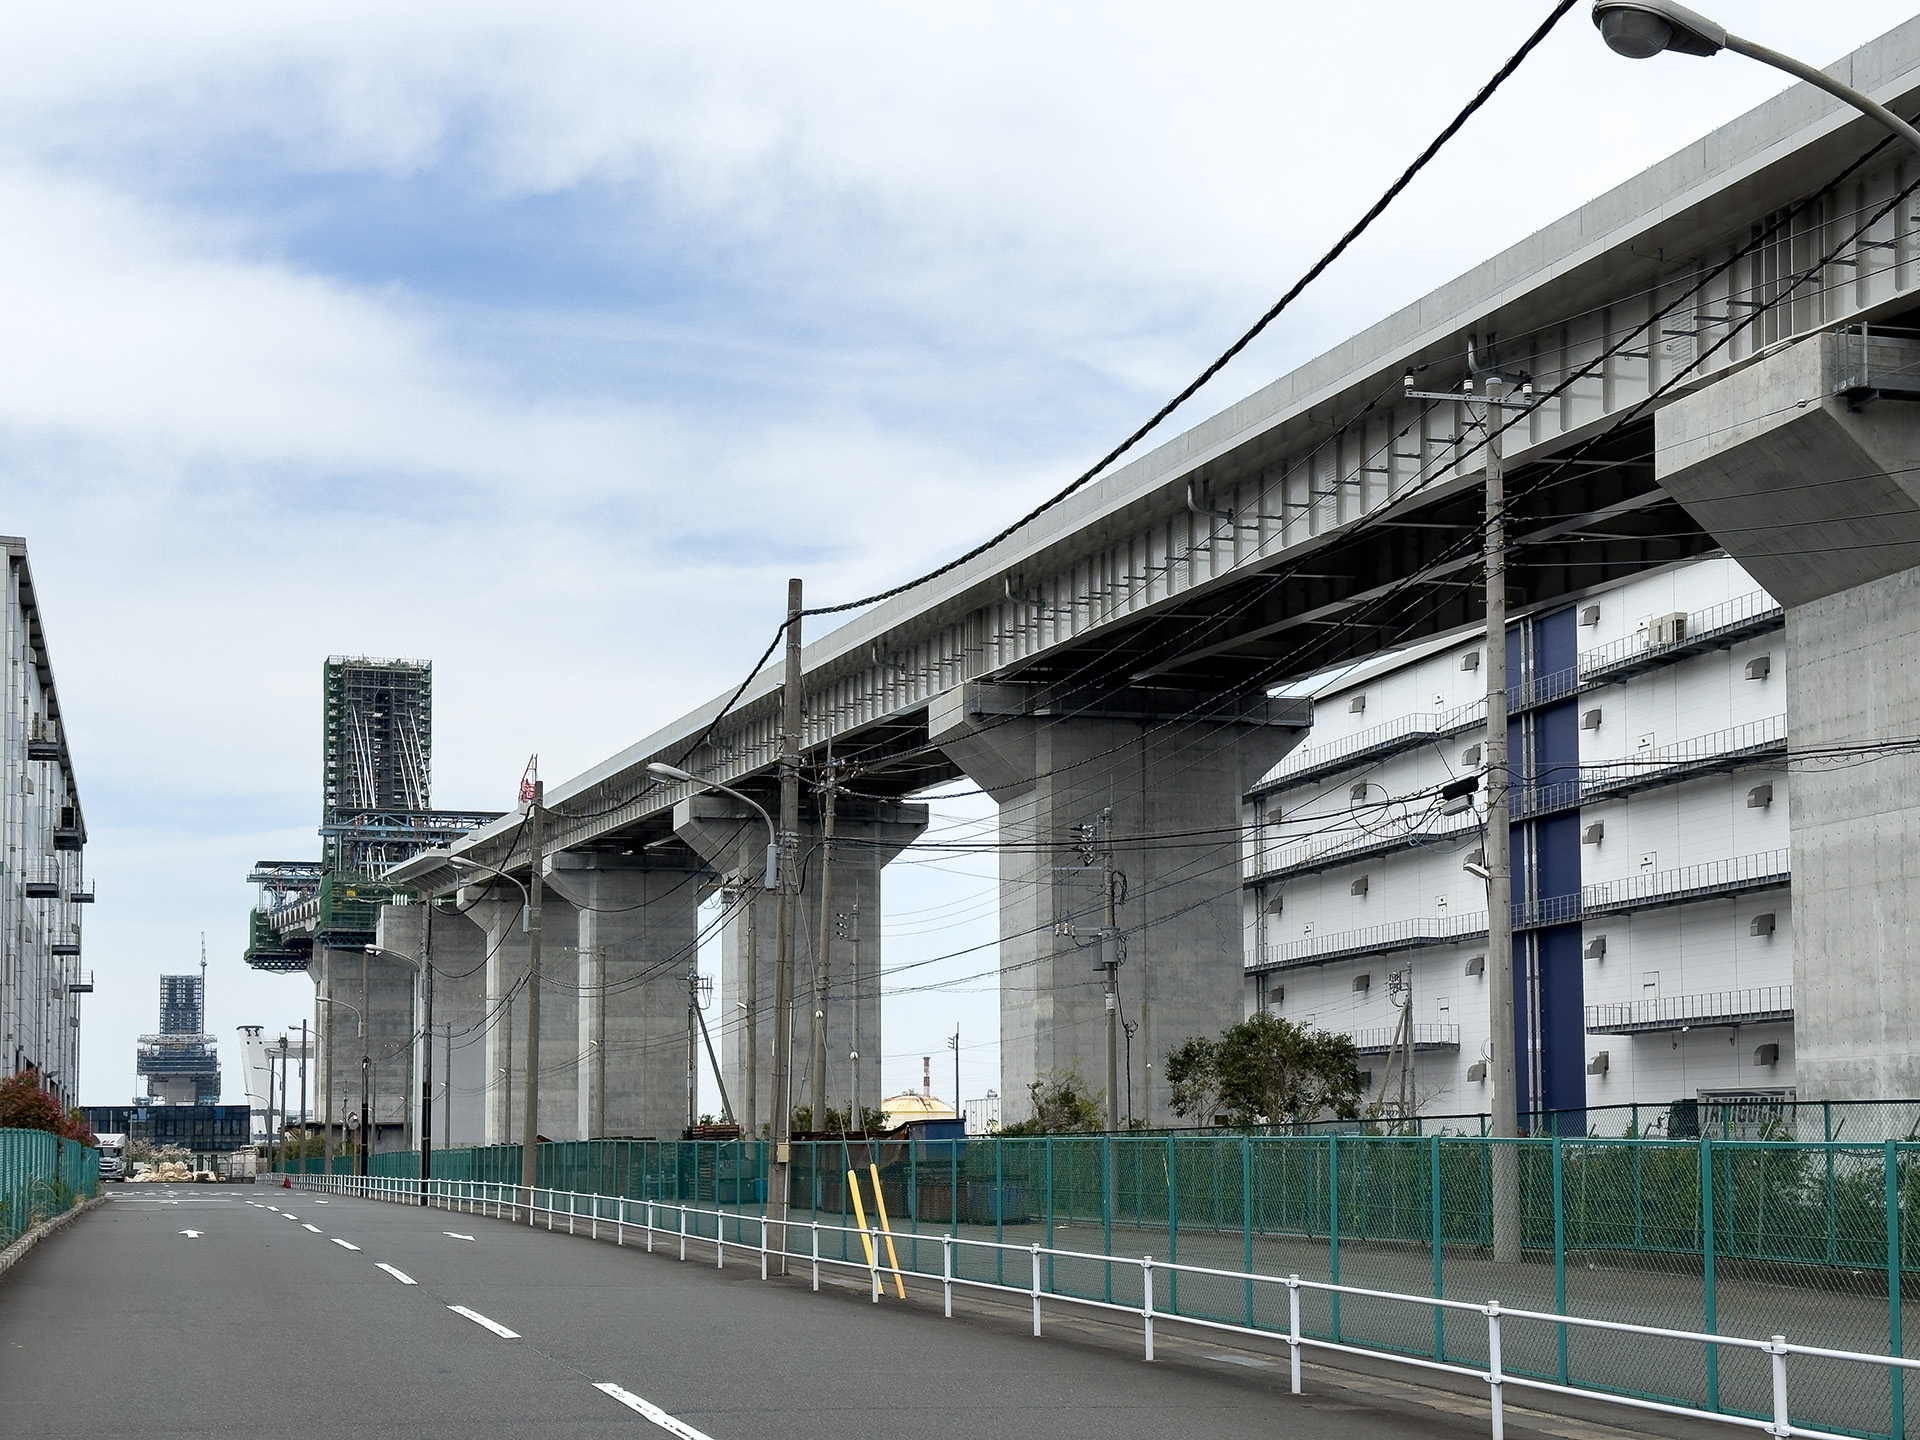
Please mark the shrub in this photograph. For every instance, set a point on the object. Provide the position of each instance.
(25, 1106)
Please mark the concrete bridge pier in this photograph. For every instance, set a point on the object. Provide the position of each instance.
(457, 949)
(638, 920)
(733, 840)
(1173, 768)
(505, 1020)
(1806, 466)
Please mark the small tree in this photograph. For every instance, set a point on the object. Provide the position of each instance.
(1266, 1070)
(1061, 1106)
(25, 1106)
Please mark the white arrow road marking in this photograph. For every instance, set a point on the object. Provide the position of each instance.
(191, 1234)
(654, 1413)
(455, 1235)
(314, 1228)
(400, 1275)
(348, 1244)
(494, 1325)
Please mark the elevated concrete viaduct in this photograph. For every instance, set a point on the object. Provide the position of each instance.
(1120, 650)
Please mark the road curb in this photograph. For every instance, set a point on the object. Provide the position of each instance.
(12, 1255)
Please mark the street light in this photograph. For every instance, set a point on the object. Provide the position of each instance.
(1639, 29)
(366, 1068)
(665, 771)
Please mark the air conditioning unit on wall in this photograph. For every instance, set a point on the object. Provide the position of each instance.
(1668, 629)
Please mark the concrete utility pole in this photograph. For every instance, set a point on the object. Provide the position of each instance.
(426, 1047)
(1506, 1100)
(1498, 870)
(856, 1117)
(792, 716)
(366, 1070)
(829, 787)
(753, 1008)
(446, 1104)
(693, 1045)
(1110, 958)
(530, 1127)
(303, 1095)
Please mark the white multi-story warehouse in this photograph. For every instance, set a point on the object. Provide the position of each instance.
(1653, 949)
(41, 980)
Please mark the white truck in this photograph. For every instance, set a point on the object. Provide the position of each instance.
(113, 1156)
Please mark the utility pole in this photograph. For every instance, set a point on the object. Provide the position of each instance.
(954, 1045)
(693, 1045)
(790, 741)
(366, 1069)
(1110, 959)
(530, 1127)
(600, 1040)
(856, 1117)
(1506, 1109)
(726, 1101)
(829, 788)
(1499, 853)
(446, 1105)
(283, 1098)
(303, 1097)
(326, 1062)
(426, 1048)
(753, 1006)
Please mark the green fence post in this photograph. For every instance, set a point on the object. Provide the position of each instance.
(1706, 1269)
(1333, 1225)
(1896, 1375)
(1049, 1211)
(1433, 1186)
(1560, 1251)
(1246, 1216)
(1832, 1225)
(1106, 1208)
(913, 1201)
(1173, 1228)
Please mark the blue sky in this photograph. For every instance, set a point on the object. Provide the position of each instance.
(545, 343)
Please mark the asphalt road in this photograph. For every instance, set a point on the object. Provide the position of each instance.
(292, 1315)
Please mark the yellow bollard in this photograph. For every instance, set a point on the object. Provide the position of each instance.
(860, 1214)
(880, 1204)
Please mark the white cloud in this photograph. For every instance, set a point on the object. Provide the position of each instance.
(938, 257)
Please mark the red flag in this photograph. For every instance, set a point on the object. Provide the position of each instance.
(531, 774)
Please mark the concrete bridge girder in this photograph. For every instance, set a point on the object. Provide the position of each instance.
(1820, 502)
(1173, 769)
(733, 840)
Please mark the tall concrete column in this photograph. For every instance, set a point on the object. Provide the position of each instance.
(458, 954)
(638, 917)
(867, 834)
(1806, 467)
(505, 970)
(1173, 768)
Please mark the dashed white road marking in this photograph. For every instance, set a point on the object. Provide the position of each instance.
(320, 1202)
(191, 1234)
(400, 1275)
(274, 1208)
(305, 1226)
(456, 1235)
(653, 1412)
(494, 1325)
(347, 1244)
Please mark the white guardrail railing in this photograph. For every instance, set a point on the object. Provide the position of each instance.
(506, 1202)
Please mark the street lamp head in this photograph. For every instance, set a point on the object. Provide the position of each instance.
(1639, 29)
(668, 772)
(1479, 872)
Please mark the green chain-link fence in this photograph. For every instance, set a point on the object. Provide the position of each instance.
(1748, 1237)
(40, 1176)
